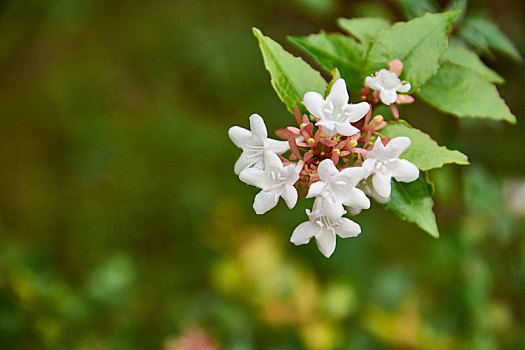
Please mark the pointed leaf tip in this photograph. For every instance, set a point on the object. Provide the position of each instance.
(291, 77)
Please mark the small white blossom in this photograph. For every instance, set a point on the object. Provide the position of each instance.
(275, 181)
(254, 143)
(388, 84)
(383, 163)
(368, 188)
(324, 229)
(337, 188)
(335, 113)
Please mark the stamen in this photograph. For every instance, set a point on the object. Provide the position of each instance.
(256, 154)
(254, 147)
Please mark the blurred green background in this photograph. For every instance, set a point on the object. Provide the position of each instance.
(123, 226)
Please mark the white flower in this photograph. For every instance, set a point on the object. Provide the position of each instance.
(275, 181)
(324, 229)
(384, 164)
(338, 188)
(254, 143)
(367, 187)
(387, 83)
(335, 112)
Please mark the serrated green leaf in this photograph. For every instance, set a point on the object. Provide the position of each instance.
(364, 29)
(464, 93)
(291, 77)
(466, 58)
(494, 37)
(424, 152)
(334, 51)
(417, 8)
(413, 202)
(419, 44)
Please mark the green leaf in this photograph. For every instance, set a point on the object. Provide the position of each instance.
(463, 57)
(424, 152)
(464, 93)
(419, 44)
(364, 29)
(475, 39)
(291, 77)
(417, 8)
(494, 37)
(335, 75)
(459, 5)
(334, 51)
(480, 191)
(317, 8)
(413, 202)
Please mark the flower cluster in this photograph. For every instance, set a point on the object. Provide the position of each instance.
(336, 156)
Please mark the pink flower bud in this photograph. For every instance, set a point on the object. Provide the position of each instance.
(396, 66)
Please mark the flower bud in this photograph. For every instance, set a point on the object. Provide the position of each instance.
(378, 119)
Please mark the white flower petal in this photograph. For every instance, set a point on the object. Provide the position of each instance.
(329, 131)
(326, 124)
(404, 87)
(313, 102)
(359, 110)
(369, 190)
(356, 199)
(397, 145)
(348, 228)
(404, 171)
(290, 196)
(352, 176)
(388, 96)
(338, 94)
(316, 189)
(317, 210)
(370, 166)
(372, 82)
(333, 210)
(264, 201)
(240, 136)
(276, 146)
(326, 243)
(380, 199)
(326, 170)
(255, 177)
(299, 167)
(382, 184)
(303, 233)
(353, 211)
(242, 163)
(272, 161)
(377, 151)
(346, 129)
(258, 127)
(291, 174)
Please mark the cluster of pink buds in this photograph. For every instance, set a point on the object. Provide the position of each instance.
(336, 155)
